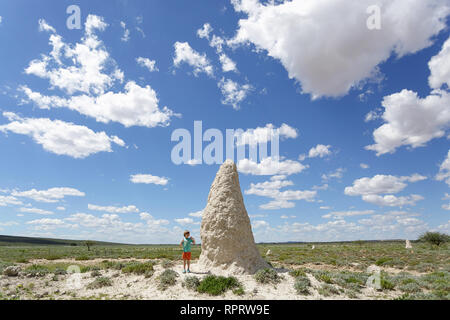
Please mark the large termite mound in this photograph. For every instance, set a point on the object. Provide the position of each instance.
(226, 233)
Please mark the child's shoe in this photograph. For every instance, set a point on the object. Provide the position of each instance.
(184, 271)
(189, 271)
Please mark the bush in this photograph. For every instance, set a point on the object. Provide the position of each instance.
(216, 285)
(297, 273)
(302, 285)
(434, 238)
(267, 275)
(100, 283)
(167, 278)
(166, 264)
(95, 274)
(36, 270)
(191, 283)
(145, 268)
(328, 290)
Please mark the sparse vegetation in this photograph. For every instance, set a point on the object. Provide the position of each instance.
(302, 285)
(191, 283)
(217, 285)
(167, 278)
(267, 275)
(100, 283)
(141, 268)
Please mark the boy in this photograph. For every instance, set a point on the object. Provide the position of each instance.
(186, 244)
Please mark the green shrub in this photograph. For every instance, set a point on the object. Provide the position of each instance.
(36, 270)
(95, 274)
(216, 285)
(267, 275)
(434, 238)
(297, 273)
(323, 276)
(328, 290)
(166, 264)
(382, 261)
(386, 283)
(167, 278)
(239, 291)
(82, 258)
(100, 283)
(302, 285)
(138, 268)
(191, 283)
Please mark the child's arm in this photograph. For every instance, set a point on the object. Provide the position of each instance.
(193, 240)
(181, 243)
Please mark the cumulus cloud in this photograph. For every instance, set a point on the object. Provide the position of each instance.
(197, 214)
(36, 210)
(327, 46)
(270, 166)
(61, 138)
(281, 199)
(150, 65)
(50, 195)
(126, 32)
(351, 213)
(319, 151)
(444, 170)
(113, 209)
(411, 120)
(233, 93)
(9, 200)
(265, 134)
(371, 190)
(184, 221)
(185, 54)
(440, 67)
(364, 166)
(85, 71)
(338, 174)
(149, 179)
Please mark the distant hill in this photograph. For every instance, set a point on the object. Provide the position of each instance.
(27, 241)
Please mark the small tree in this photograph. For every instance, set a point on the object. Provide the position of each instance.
(436, 238)
(89, 244)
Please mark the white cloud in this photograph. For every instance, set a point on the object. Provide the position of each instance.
(411, 120)
(281, 199)
(126, 32)
(184, 221)
(9, 200)
(113, 209)
(61, 138)
(351, 213)
(48, 224)
(147, 63)
(36, 210)
(259, 224)
(265, 134)
(391, 200)
(233, 93)
(135, 106)
(338, 174)
(319, 151)
(364, 166)
(89, 61)
(60, 208)
(197, 214)
(270, 166)
(148, 179)
(440, 67)
(87, 68)
(380, 184)
(204, 31)
(444, 170)
(341, 51)
(51, 195)
(185, 54)
(227, 64)
(370, 190)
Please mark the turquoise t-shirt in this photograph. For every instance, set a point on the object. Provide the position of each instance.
(187, 245)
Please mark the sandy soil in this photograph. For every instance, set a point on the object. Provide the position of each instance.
(128, 286)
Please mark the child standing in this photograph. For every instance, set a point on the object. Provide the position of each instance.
(186, 244)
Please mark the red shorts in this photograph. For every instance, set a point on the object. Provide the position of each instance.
(186, 256)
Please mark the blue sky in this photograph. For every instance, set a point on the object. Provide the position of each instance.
(87, 116)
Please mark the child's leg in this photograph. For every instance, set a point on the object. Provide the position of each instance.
(184, 264)
(189, 264)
